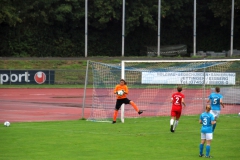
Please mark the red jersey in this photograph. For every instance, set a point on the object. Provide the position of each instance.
(177, 101)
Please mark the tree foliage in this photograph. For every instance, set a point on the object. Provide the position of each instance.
(8, 13)
(56, 27)
(223, 10)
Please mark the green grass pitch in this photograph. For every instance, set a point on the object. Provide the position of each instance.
(136, 139)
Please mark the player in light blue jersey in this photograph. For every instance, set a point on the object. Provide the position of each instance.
(207, 120)
(216, 102)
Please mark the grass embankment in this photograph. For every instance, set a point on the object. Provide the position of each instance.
(68, 73)
(71, 73)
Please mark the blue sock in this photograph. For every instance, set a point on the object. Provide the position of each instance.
(214, 126)
(201, 148)
(207, 150)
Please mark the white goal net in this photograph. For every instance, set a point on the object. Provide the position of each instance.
(152, 82)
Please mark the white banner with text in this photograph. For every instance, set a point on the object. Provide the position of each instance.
(211, 78)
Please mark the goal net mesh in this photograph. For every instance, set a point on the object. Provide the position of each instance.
(151, 84)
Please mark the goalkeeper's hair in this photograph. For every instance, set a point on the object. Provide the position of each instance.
(179, 88)
(123, 81)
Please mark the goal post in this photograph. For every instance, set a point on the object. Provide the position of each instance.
(152, 82)
(122, 77)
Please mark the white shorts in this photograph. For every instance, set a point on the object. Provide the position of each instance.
(207, 136)
(215, 114)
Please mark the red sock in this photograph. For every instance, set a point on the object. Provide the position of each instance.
(134, 106)
(115, 115)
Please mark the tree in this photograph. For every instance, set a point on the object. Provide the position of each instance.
(8, 13)
(223, 8)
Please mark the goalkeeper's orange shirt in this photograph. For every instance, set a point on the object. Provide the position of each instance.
(119, 88)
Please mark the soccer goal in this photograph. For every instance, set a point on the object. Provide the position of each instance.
(152, 82)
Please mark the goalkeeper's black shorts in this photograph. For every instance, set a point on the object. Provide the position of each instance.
(120, 102)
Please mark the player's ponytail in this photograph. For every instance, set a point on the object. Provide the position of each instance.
(123, 81)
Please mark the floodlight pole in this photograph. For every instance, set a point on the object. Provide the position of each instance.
(123, 27)
(194, 29)
(86, 28)
(159, 25)
(232, 26)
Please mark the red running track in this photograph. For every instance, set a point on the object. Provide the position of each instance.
(20, 105)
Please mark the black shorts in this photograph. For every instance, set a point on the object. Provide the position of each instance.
(120, 102)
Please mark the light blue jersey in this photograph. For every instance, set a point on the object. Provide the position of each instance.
(206, 119)
(215, 101)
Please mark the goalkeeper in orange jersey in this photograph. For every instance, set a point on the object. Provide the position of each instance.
(122, 90)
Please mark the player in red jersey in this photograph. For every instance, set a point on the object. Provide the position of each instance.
(177, 101)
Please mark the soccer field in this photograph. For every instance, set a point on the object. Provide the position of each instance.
(137, 138)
